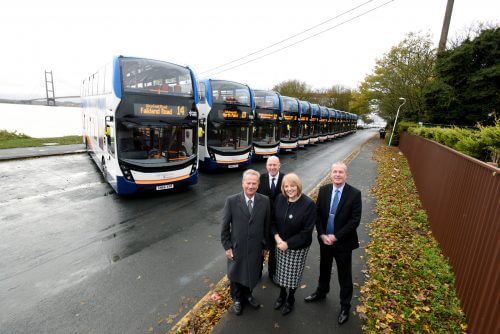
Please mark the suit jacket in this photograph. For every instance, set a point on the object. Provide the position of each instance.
(294, 221)
(265, 189)
(347, 216)
(246, 235)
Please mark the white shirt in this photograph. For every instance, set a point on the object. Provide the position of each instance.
(276, 177)
(333, 193)
(248, 199)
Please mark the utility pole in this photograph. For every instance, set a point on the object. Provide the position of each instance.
(49, 88)
(446, 26)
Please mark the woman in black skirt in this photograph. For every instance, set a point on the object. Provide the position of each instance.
(292, 226)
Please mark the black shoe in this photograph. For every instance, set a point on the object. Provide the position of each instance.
(279, 302)
(287, 308)
(343, 316)
(253, 302)
(315, 296)
(238, 308)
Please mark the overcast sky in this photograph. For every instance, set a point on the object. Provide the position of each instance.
(75, 38)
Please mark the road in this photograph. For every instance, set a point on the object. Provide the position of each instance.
(76, 258)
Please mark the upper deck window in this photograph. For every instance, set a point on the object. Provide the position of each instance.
(230, 92)
(290, 104)
(266, 99)
(155, 77)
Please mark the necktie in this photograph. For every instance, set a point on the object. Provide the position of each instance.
(333, 208)
(250, 207)
(273, 186)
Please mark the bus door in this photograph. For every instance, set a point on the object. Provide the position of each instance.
(109, 135)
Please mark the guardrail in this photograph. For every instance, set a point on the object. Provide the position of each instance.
(462, 198)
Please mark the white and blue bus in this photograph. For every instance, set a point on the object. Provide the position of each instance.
(266, 130)
(323, 124)
(314, 124)
(289, 127)
(304, 120)
(140, 124)
(331, 123)
(226, 115)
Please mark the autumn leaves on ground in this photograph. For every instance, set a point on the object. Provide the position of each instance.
(409, 283)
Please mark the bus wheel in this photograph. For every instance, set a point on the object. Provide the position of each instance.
(104, 168)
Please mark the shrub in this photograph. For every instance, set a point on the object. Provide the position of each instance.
(482, 144)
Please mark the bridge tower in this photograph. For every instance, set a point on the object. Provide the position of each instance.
(49, 88)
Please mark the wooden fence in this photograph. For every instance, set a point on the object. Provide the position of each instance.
(462, 198)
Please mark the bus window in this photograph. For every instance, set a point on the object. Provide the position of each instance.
(201, 89)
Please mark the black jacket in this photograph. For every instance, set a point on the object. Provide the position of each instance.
(265, 189)
(294, 222)
(347, 216)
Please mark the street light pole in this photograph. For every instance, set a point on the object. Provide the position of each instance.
(395, 121)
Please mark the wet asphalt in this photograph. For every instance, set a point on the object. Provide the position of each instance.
(318, 317)
(76, 258)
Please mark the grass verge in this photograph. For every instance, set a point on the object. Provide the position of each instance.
(409, 284)
(14, 140)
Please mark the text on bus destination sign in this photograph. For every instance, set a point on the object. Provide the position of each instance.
(267, 116)
(159, 110)
(233, 114)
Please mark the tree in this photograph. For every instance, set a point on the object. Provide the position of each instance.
(466, 89)
(295, 88)
(405, 71)
(337, 96)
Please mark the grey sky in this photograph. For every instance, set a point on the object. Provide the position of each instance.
(74, 38)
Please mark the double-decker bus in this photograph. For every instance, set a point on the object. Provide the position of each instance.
(140, 123)
(354, 122)
(304, 126)
(289, 129)
(331, 123)
(324, 114)
(226, 114)
(314, 124)
(268, 113)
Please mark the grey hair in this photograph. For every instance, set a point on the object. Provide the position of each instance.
(251, 172)
(341, 164)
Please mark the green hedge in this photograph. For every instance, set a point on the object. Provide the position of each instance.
(482, 144)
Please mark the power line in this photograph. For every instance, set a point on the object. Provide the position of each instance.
(300, 41)
(288, 38)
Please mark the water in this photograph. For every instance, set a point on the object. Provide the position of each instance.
(41, 121)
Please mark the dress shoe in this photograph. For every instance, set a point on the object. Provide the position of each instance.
(253, 302)
(287, 308)
(279, 302)
(238, 308)
(343, 316)
(315, 296)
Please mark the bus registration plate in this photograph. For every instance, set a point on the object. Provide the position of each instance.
(164, 186)
(232, 166)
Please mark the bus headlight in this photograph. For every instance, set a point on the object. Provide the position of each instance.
(126, 173)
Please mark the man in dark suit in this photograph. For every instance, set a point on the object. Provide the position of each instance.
(270, 185)
(245, 228)
(339, 215)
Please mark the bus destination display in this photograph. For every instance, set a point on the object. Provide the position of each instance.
(159, 110)
(233, 114)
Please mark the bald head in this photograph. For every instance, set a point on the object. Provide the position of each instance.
(273, 165)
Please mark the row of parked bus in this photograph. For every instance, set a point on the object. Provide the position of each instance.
(151, 124)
